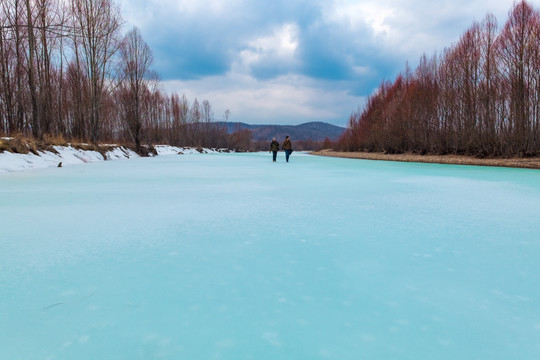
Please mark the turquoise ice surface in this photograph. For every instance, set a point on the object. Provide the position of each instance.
(231, 256)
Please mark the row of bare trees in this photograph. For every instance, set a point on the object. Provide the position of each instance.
(481, 96)
(68, 71)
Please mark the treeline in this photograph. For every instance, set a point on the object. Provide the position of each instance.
(67, 71)
(480, 97)
(298, 145)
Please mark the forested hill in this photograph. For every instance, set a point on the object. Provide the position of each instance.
(315, 131)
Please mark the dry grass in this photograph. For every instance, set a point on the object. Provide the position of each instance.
(24, 145)
(528, 163)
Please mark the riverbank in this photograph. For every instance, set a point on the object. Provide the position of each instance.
(526, 163)
(21, 154)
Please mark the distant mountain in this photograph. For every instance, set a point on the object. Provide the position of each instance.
(316, 131)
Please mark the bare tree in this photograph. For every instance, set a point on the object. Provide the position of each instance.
(207, 114)
(489, 86)
(58, 69)
(518, 46)
(135, 77)
(36, 131)
(95, 42)
(7, 101)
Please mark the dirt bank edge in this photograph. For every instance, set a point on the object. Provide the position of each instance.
(525, 163)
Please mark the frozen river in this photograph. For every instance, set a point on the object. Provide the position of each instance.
(234, 257)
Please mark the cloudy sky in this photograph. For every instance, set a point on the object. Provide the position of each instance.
(293, 61)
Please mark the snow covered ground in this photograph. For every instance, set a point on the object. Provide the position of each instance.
(231, 256)
(68, 155)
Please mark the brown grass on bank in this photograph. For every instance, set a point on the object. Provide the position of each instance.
(527, 163)
(22, 145)
(25, 145)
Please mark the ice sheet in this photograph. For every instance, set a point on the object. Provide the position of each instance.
(231, 256)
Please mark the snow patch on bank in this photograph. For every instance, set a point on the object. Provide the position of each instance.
(174, 150)
(68, 155)
(121, 153)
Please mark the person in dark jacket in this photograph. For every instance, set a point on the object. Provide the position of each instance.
(274, 148)
(287, 146)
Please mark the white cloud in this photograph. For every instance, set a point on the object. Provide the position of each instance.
(264, 48)
(405, 29)
(362, 70)
(282, 42)
(289, 99)
(153, 13)
(205, 7)
(355, 14)
(280, 46)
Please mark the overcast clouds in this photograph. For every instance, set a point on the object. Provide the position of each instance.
(293, 61)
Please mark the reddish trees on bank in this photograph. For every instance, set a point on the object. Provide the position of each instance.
(481, 97)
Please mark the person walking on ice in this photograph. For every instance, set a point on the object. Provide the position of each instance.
(287, 146)
(274, 148)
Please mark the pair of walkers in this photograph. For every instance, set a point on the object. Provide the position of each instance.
(287, 147)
